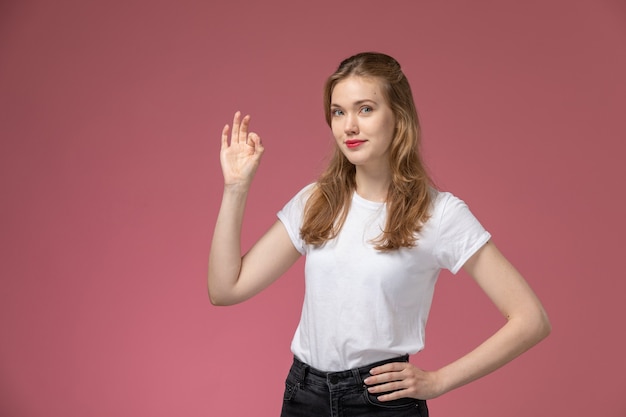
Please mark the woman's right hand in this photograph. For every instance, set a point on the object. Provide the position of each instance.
(241, 156)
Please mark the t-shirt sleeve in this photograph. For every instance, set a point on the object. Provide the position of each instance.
(460, 234)
(291, 215)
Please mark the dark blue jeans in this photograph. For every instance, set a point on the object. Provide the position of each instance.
(313, 393)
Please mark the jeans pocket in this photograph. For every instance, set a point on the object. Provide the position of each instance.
(290, 390)
(393, 404)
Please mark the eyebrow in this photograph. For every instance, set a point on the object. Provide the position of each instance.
(356, 103)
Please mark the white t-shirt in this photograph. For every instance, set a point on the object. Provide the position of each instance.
(362, 305)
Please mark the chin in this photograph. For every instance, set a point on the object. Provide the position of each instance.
(355, 161)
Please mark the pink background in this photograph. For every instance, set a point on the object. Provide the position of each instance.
(110, 114)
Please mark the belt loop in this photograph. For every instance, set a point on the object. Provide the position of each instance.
(305, 371)
(357, 376)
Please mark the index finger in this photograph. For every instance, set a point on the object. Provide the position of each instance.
(234, 138)
(243, 129)
(388, 367)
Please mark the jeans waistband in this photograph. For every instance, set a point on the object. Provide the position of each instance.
(350, 376)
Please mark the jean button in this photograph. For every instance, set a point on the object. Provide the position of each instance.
(333, 379)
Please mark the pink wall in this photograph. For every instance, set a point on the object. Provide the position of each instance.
(110, 114)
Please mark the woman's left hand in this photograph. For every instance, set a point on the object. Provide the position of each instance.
(404, 380)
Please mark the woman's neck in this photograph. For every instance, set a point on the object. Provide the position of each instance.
(372, 186)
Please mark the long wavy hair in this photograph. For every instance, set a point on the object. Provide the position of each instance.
(409, 195)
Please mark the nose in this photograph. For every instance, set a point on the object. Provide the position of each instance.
(351, 126)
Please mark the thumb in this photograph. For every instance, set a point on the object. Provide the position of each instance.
(256, 142)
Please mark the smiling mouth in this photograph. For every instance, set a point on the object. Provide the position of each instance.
(353, 143)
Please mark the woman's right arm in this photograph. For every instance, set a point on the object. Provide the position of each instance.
(233, 278)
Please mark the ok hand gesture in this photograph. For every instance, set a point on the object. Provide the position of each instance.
(240, 158)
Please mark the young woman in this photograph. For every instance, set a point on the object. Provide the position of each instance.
(375, 233)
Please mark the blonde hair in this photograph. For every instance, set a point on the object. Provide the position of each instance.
(408, 198)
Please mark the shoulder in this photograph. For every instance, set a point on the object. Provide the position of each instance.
(442, 202)
(450, 212)
(459, 234)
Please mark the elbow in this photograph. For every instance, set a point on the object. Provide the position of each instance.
(219, 300)
(533, 326)
(538, 327)
(217, 295)
(545, 327)
(216, 300)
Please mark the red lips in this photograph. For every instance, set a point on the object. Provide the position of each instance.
(353, 143)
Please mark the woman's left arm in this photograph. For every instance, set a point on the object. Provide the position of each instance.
(527, 324)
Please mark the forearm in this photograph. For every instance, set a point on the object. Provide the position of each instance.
(527, 322)
(510, 341)
(225, 254)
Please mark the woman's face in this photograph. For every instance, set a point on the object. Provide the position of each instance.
(362, 122)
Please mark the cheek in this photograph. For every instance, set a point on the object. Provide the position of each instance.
(389, 130)
(336, 131)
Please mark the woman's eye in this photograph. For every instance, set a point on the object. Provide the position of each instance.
(366, 109)
(336, 112)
